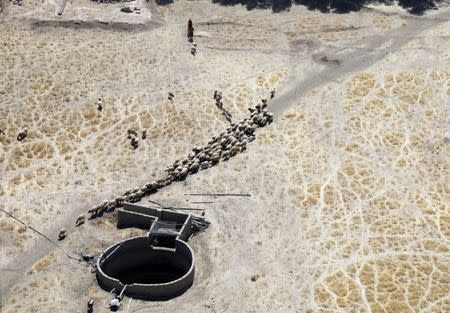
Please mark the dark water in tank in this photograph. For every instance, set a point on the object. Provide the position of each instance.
(150, 274)
(417, 7)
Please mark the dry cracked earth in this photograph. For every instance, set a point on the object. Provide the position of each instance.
(350, 186)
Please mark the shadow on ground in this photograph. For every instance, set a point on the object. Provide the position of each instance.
(338, 6)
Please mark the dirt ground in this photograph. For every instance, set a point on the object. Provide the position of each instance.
(350, 198)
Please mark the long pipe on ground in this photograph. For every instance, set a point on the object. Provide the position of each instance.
(38, 232)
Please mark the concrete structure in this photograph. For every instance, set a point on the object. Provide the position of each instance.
(158, 266)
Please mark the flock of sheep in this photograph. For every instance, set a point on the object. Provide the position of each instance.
(221, 147)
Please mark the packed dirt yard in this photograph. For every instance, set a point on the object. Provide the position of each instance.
(350, 185)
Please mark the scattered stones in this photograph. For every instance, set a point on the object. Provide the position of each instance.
(222, 147)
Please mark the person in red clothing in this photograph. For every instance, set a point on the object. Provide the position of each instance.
(190, 31)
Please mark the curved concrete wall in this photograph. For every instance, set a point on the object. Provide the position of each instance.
(135, 252)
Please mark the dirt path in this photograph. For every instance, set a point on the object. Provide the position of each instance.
(354, 60)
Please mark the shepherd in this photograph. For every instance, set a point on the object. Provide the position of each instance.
(190, 31)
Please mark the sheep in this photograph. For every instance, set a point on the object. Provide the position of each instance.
(80, 220)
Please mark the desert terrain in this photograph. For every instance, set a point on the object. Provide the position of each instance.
(350, 186)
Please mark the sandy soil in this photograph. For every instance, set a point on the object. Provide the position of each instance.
(350, 205)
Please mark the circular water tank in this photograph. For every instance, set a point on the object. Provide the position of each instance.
(153, 273)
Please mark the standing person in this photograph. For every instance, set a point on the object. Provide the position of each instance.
(190, 31)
